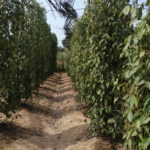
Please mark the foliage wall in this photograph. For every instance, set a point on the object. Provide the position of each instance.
(136, 88)
(109, 63)
(27, 51)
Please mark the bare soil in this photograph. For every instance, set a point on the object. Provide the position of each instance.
(52, 120)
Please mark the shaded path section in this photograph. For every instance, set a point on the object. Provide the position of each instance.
(52, 120)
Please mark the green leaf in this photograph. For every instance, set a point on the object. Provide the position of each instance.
(146, 121)
(130, 116)
(148, 85)
(145, 143)
(142, 54)
(126, 10)
(134, 133)
(111, 120)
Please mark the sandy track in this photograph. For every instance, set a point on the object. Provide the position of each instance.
(52, 121)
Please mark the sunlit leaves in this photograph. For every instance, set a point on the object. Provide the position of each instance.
(126, 10)
(137, 93)
(97, 42)
(110, 63)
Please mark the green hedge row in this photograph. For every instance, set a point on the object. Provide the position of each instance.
(110, 62)
(136, 88)
(27, 51)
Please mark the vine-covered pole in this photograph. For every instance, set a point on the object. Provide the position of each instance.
(88, 3)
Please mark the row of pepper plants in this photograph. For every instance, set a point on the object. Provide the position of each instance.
(27, 51)
(110, 64)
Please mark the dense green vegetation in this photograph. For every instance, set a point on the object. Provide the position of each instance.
(62, 59)
(108, 57)
(27, 51)
(110, 64)
(136, 87)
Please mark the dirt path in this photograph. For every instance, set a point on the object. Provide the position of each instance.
(53, 121)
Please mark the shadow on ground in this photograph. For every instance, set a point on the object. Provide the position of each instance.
(72, 136)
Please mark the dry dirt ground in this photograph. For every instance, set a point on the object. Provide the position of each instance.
(52, 121)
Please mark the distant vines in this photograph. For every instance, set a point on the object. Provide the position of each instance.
(27, 51)
(110, 64)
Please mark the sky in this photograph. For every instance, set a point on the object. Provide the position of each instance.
(56, 21)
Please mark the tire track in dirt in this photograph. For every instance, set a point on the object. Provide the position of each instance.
(52, 120)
